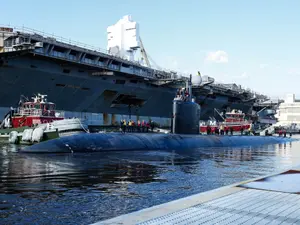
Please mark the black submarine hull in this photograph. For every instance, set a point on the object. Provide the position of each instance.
(100, 142)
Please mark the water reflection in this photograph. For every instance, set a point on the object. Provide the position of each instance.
(37, 187)
(25, 172)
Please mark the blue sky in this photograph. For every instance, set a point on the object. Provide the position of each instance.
(252, 43)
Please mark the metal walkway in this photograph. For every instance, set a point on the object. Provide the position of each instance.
(269, 200)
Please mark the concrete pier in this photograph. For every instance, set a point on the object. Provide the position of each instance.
(272, 199)
(113, 119)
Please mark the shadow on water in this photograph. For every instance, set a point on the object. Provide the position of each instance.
(83, 188)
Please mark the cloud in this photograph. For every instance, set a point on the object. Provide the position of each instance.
(277, 67)
(217, 57)
(294, 71)
(271, 66)
(244, 75)
(263, 65)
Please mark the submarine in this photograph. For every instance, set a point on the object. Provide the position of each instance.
(185, 136)
(104, 142)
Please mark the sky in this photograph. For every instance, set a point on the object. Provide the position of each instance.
(251, 43)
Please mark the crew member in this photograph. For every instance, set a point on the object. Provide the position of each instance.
(222, 129)
(226, 130)
(129, 126)
(267, 132)
(217, 130)
(133, 125)
(139, 126)
(124, 126)
(143, 126)
(208, 130)
(231, 130)
(152, 125)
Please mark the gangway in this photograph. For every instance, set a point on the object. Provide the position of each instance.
(219, 114)
(5, 120)
(270, 129)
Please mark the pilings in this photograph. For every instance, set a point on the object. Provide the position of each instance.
(105, 119)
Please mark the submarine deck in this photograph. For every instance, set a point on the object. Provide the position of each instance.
(272, 199)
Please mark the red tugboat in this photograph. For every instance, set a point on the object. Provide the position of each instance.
(37, 120)
(32, 113)
(234, 120)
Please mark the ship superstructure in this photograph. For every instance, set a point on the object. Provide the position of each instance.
(288, 112)
(81, 78)
(216, 98)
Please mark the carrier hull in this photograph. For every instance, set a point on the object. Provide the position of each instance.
(73, 88)
(79, 91)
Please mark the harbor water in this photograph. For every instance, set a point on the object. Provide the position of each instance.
(84, 188)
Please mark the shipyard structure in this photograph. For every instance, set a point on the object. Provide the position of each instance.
(119, 81)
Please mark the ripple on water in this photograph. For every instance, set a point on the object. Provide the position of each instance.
(85, 188)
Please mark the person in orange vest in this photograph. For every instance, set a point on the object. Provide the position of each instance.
(129, 125)
(222, 129)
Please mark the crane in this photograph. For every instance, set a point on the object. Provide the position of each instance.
(144, 54)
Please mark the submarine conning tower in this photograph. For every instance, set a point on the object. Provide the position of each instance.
(186, 112)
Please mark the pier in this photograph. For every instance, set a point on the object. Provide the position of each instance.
(272, 199)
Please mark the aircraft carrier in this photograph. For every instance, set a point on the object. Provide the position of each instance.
(81, 78)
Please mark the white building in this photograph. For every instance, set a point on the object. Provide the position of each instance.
(289, 112)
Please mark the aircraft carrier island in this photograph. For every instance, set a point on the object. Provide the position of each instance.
(81, 78)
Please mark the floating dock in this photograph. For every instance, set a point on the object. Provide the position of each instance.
(273, 199)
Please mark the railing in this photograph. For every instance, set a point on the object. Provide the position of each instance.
(36, 112)
(48, 37)
(94, 63)
(51, 38)
(215, 123)
(241, 90)
(238, 89)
